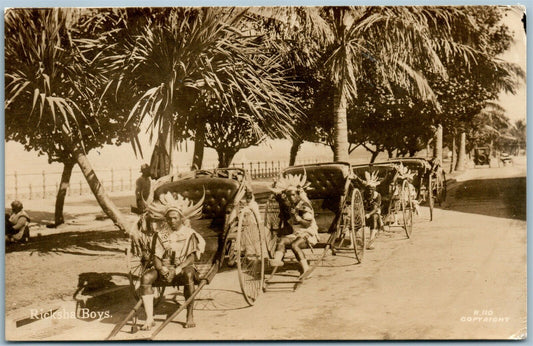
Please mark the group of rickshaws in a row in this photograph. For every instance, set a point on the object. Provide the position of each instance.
(197, 222)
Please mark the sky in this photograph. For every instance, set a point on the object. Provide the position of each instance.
(515, 105)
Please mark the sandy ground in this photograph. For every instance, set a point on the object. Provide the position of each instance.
(462, 276)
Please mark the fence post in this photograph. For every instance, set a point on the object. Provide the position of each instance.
(131, 180)
(30, 192)
(112, 179)
(259, 168)
(16, 185)
(44, 185)
(279, 167)
(251, 171)
(80, 188)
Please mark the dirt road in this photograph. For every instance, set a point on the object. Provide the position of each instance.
(460, 276)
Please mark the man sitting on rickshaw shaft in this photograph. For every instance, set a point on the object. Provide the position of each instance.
(298, 227)
(372, 203)
(177, 246)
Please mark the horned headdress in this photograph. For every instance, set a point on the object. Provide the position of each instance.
(174, 202)
(404, 172)
(297, 182)
(371, 179)
(158, 208)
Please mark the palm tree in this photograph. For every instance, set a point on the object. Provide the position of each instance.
(181, 57)
(394, 44)
(52, 78)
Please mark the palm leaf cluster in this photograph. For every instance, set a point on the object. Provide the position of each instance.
(50, 72)
(193, 60)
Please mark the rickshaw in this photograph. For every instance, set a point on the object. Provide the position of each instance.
(481, 156)
(395, 195)
(339, 212)
(229, 224)
(429, 180)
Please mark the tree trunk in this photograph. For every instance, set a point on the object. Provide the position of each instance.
(340, 152)
(98, 190)
(428, 148)
(62, 192)
(199, 144)
(295, 147)
(374, 156)
(461, 157)
(454, 155)
(225, 157)
(437, 152)
(160, 162)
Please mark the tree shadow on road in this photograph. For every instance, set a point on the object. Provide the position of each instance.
(103, 296)
(504, 197)
(85, 243)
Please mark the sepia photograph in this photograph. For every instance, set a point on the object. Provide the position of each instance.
(265, 173)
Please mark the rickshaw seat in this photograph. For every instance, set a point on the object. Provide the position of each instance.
(326, 181)
(219, 193)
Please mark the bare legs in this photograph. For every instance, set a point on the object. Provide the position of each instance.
(374, 222)
(296, 246)
(186, 278)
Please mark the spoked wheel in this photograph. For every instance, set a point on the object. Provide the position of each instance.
(250, 255)
(137, 265)
(431, 201)
(358, 225)
(441, 188)
(352, 224)
(271, 223)
(407, 209)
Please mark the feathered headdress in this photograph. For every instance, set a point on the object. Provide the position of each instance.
(290, 182)
(371, 179)
(169, 201)
(175, 202)
(153, 186)
(404, 172)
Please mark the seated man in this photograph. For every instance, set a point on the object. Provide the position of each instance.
(177, 246)
(403, 173)
(17, 224)
(372, 203)
(297, 221)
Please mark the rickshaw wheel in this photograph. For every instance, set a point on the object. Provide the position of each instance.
(136, 267)
(250, 255)
(441, 188)
(357, 233)
(431, 201)
(407, 209)
(271, 222)
(351, 223)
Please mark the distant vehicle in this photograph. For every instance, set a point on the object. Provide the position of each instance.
(506, 159)
(481, 156)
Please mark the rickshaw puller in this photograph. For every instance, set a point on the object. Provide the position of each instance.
(177, 246)
(297, 215)
(372, 203)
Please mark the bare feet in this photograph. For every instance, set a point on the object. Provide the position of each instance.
(148, 325)
(189, 324)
